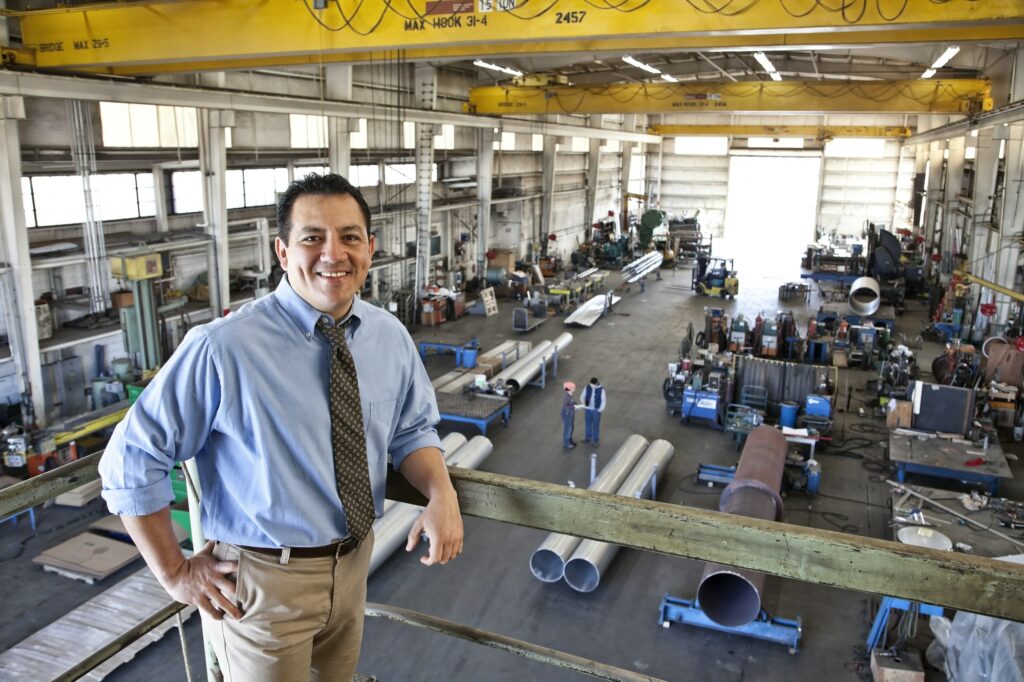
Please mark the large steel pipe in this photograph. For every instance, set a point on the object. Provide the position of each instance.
(732, 596)
(530, 358)
(865, 296)
(450, 443)
(548, 562)
(391, 530)
(583, 570)
(525, 370)
(472, 454)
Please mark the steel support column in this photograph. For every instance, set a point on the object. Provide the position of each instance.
(15, 252)
(160, 198)
(628, 123)
(213, 163)
(484, 181)
(338, 83)
(593, 173)
(547, 188)
(1010, 207)
(425, 80)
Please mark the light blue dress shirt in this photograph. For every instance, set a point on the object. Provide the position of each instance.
(247, 396)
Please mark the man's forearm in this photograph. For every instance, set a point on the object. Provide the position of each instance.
(154, 535)
(426, 471)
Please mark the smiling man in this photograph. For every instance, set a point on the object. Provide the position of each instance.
(291, 408)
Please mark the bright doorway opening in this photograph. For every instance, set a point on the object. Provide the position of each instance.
(770, 216)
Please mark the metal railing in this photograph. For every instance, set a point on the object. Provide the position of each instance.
(962, 582)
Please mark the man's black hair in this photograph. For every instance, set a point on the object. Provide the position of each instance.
(321, 185)
(594, 381)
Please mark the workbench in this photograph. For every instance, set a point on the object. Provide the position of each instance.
(457, 347)
(946, 459)
(479, 409)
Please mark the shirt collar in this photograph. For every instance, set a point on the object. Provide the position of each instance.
(306, 316)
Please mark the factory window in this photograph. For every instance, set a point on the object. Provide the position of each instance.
(856, 147)
(408, 135)
(446, 138)
(60, 199)
(506, 143)
(309, 131)
(611, 146)
(186, 192)
(234, 189)
(537, 142)
(580, 144)
(303, 171)
(702, 145)
(358, 139)
(263, 184)
(404, 173)
(364, 176)
(637, 173)
(147, 125)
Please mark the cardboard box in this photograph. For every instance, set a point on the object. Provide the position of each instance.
(840, 358)
(89, 555)
(899, 414)
(886, 669)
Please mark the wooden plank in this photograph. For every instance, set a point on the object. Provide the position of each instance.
(957, 581)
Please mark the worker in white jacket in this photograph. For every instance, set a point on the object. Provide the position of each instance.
(594, 400)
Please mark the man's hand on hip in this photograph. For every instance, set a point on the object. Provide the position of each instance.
(203, 581)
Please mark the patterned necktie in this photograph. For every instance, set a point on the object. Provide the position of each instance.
(348, 440)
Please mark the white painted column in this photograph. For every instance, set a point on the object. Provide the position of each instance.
(986, 160)
(547, 187)
(24, 335)
(954, 180)
(484, 180)
(1011, 209)
(213, 162)
(160, 198)
(629, 125)
(425, 79)
(338, 86)
(593, 173)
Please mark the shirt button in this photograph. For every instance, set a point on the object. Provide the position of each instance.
(308, 336)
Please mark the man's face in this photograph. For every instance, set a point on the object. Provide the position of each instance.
(328, 252)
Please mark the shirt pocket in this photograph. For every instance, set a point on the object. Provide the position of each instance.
(378, 425)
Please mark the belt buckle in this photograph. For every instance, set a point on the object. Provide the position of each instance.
(344, 546)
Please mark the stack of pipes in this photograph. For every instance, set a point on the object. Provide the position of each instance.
(642, 267)
(523, 372)
(453, 381)
(633, 472)
(391, 530)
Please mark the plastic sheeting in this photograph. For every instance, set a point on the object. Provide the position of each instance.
(982, 648)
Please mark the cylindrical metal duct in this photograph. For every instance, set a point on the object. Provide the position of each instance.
(583, 570)
(451, 443)
(530, 357)
(732, 596)
(548, 562)
(865, 296)
(391, 530)
(496, 275)
(472, 454)
(526, 372)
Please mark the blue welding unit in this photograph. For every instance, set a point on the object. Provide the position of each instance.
(700, 405)
(817, 406)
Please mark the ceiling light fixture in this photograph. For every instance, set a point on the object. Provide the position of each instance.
(943, 59)
(670, 79)
(640, 65)
(767, 65)
(494, 67)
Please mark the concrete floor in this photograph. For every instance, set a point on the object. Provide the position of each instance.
(491, 586)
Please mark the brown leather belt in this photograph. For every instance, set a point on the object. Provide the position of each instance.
(339, 549)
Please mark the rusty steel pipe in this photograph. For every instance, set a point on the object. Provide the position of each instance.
(732, 596)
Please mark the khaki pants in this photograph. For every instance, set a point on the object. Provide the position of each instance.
(302, 620)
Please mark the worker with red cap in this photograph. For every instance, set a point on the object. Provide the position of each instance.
(568, 415)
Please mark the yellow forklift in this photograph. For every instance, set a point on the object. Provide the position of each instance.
(716, 277)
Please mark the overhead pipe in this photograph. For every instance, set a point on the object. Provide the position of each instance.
(391, 530)
(548, 562)
(584, 569)
(523, 372)
(865, 296)
(732, 596)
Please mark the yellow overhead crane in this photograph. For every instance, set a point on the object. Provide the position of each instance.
(189, 35)
(815, 132)
(917, 96)
(987, 284)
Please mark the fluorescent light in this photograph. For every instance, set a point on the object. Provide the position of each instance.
(946, 56)
(941, 61)
(640, 65)
(763, 60)
(494, 67)
(767, 65)
(670, 79)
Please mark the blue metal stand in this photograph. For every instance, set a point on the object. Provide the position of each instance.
(989, 480)
(504, 414)
(458, 348)
(769, 628)
(542, 381)
(881, 624)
